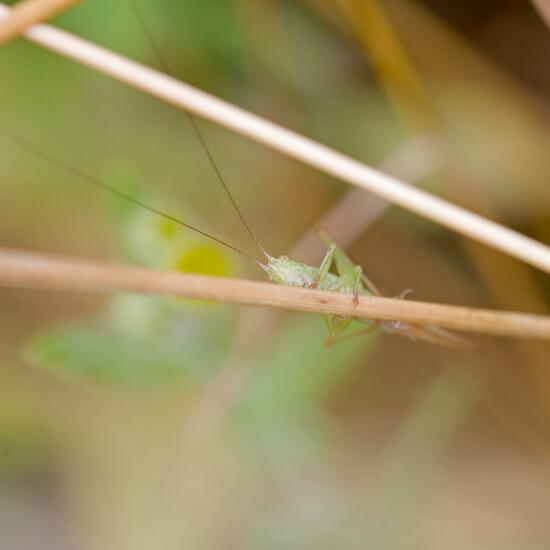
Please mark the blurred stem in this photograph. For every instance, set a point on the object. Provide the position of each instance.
(29, 12)
(391, 63)
(543, 7)
(261, 24)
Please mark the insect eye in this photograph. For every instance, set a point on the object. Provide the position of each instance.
(283, 258)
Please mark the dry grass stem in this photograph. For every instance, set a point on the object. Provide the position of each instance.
(30, 12)
(21, 269)
(543, 7)
(290, 143)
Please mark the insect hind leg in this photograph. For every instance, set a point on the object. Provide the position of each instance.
(325, 266)
(333, 339)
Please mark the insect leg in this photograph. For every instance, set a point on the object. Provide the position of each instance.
(324, 267)
(436, 335)
(336, 324)
(403, 294)
(331, 340)
(344, 263)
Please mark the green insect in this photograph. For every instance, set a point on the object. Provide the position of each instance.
(349, 279)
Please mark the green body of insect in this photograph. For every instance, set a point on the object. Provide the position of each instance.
(349, 279)
(284, 271)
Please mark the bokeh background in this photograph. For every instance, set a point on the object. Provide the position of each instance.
(138, 422)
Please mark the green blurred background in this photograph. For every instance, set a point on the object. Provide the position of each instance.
(136, 422)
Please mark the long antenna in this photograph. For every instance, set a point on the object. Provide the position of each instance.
(61, 164)
(166, 68)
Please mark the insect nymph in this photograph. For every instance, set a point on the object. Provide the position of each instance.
(349, 279)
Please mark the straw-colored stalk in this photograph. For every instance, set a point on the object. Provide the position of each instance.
(41, 271)
(543, 7)
(29, 12)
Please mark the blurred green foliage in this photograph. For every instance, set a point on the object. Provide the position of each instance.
(290, 384)
(143, 342)
(24, 450)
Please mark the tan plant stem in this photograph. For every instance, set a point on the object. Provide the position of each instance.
(29, 12)
(543, 8)
(22, 269)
